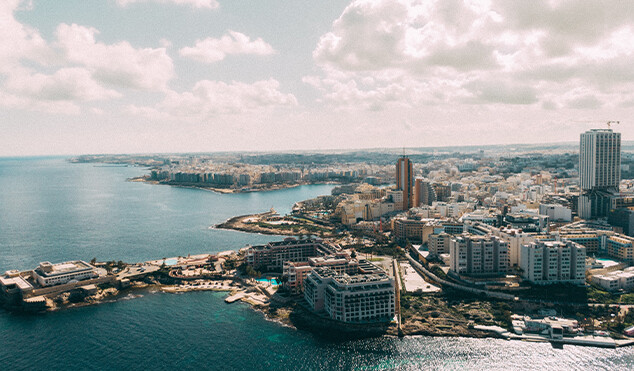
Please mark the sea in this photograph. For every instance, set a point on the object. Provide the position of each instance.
(52, 210)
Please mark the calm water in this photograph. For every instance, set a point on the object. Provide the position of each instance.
(51, 210)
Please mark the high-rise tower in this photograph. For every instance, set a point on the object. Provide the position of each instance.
(404, 180)
(599, 171)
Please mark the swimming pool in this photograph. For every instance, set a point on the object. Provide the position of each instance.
(171, 261)
(272, 281)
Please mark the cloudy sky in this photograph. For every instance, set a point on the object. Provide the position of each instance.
(123, 76)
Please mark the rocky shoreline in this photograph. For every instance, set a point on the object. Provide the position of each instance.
(261, 223)
(262, 188)
(238, 223)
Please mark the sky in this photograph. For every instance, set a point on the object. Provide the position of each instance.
(139, 76)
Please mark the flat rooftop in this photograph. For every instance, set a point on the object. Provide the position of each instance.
(47, 269)
(18, 281)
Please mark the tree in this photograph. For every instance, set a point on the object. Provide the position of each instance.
(353, 255)
(93, 261)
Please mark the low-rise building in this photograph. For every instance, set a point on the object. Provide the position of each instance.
(273, 255)
(14, 283)
(48, 274)
(617, 280)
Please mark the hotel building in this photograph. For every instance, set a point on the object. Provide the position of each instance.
(273, 255)
(365, 297)
(296, 272)
(47, 274)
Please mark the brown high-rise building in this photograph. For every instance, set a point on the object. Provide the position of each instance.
(424, 193)
(404, 181)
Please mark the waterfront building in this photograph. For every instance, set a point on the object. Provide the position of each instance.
(273, 255)
(47, 274)
(405, 181)
(599, 171)
(548, 262)
(13, 283)
(479, 255)
(365, 297)
(296, 272)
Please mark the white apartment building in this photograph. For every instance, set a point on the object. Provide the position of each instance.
(479, 255)
(600, 159)
(548, 262)
(439, 243)
(556, 212)
(599, 171)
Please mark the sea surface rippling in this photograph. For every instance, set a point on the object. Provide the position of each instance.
(53, 210)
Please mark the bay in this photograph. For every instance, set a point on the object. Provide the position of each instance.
(51, 210)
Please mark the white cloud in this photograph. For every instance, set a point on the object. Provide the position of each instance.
(67, 84)
(18, 41)
(212, 50)
(117, 64)
(213, 98)
(486, 52)
(210, 4)
(75, 68)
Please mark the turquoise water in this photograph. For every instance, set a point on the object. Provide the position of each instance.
(52, 210)
(170, 261)
(272, 281)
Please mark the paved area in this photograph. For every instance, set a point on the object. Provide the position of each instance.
(414, 281)
(134, 270)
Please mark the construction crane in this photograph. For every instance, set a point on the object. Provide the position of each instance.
(612, 122)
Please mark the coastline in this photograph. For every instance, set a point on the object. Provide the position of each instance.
(264, 188)
(289, 312)
(257, 223)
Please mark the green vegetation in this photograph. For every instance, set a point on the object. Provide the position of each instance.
(438, 272)
(115, 264)
(439, 311)
(296, 228)
(390, 249)
(230, 264)
(252, 272)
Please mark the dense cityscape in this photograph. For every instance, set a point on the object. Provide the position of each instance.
(465, 245)
(316, 185)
